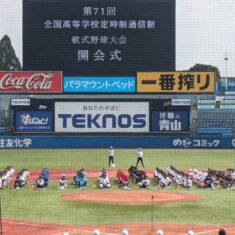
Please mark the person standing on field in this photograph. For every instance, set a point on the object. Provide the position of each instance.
(140, 155)
(111, 156)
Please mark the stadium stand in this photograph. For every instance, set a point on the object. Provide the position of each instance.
(215, 122)
(215, 131)
(2, 121)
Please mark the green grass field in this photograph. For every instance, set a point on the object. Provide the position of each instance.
(217, 207)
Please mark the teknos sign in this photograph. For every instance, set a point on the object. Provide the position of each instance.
(30, 82)
(81, 117)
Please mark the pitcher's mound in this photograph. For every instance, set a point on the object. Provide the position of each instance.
(131, 197)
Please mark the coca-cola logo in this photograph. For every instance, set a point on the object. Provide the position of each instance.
(35, 81)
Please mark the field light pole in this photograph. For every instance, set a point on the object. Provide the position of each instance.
(152, 215)
(226, 71)
(1, 232)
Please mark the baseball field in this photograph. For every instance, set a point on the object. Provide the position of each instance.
(141, 211)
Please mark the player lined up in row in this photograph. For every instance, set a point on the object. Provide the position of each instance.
(210, 179)
(5, 176)
(103, 181)
(80, 179)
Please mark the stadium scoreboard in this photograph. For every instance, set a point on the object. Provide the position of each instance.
(99, 37)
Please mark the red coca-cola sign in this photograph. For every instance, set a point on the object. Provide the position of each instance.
(30, 82)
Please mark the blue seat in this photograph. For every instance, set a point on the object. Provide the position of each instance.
(215, 131)
(2, 130)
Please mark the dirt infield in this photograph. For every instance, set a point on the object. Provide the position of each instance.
(131, 197)
(20, 227)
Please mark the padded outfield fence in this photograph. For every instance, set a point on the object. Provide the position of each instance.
(120, 141)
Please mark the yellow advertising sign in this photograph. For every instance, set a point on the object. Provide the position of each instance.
(175, 82)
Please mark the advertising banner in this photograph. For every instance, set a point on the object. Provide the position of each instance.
(20, 102)
(180, 102)
(85, 117)
(175, 82)
(99, 37)
(30, 82)
(170, 121)
(227, 104)
(119, 141)
(206, 104)
(33, 121)
(99, 84)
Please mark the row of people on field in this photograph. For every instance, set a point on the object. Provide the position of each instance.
(103, 181)
(221, 179)
(122, 179)
(161, 178)
(180, 178)
(81, 179)
(23, 175)
(210, 179)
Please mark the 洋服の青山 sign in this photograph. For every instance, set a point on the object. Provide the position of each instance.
(170, 120)
(30, 82)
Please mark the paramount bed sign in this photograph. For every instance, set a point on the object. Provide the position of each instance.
(30, 82)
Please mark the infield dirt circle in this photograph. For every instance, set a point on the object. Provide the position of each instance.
(130, 197)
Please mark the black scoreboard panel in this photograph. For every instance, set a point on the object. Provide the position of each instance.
(99, 37)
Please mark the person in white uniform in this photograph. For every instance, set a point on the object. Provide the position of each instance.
(111, 156)
(140, 155)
